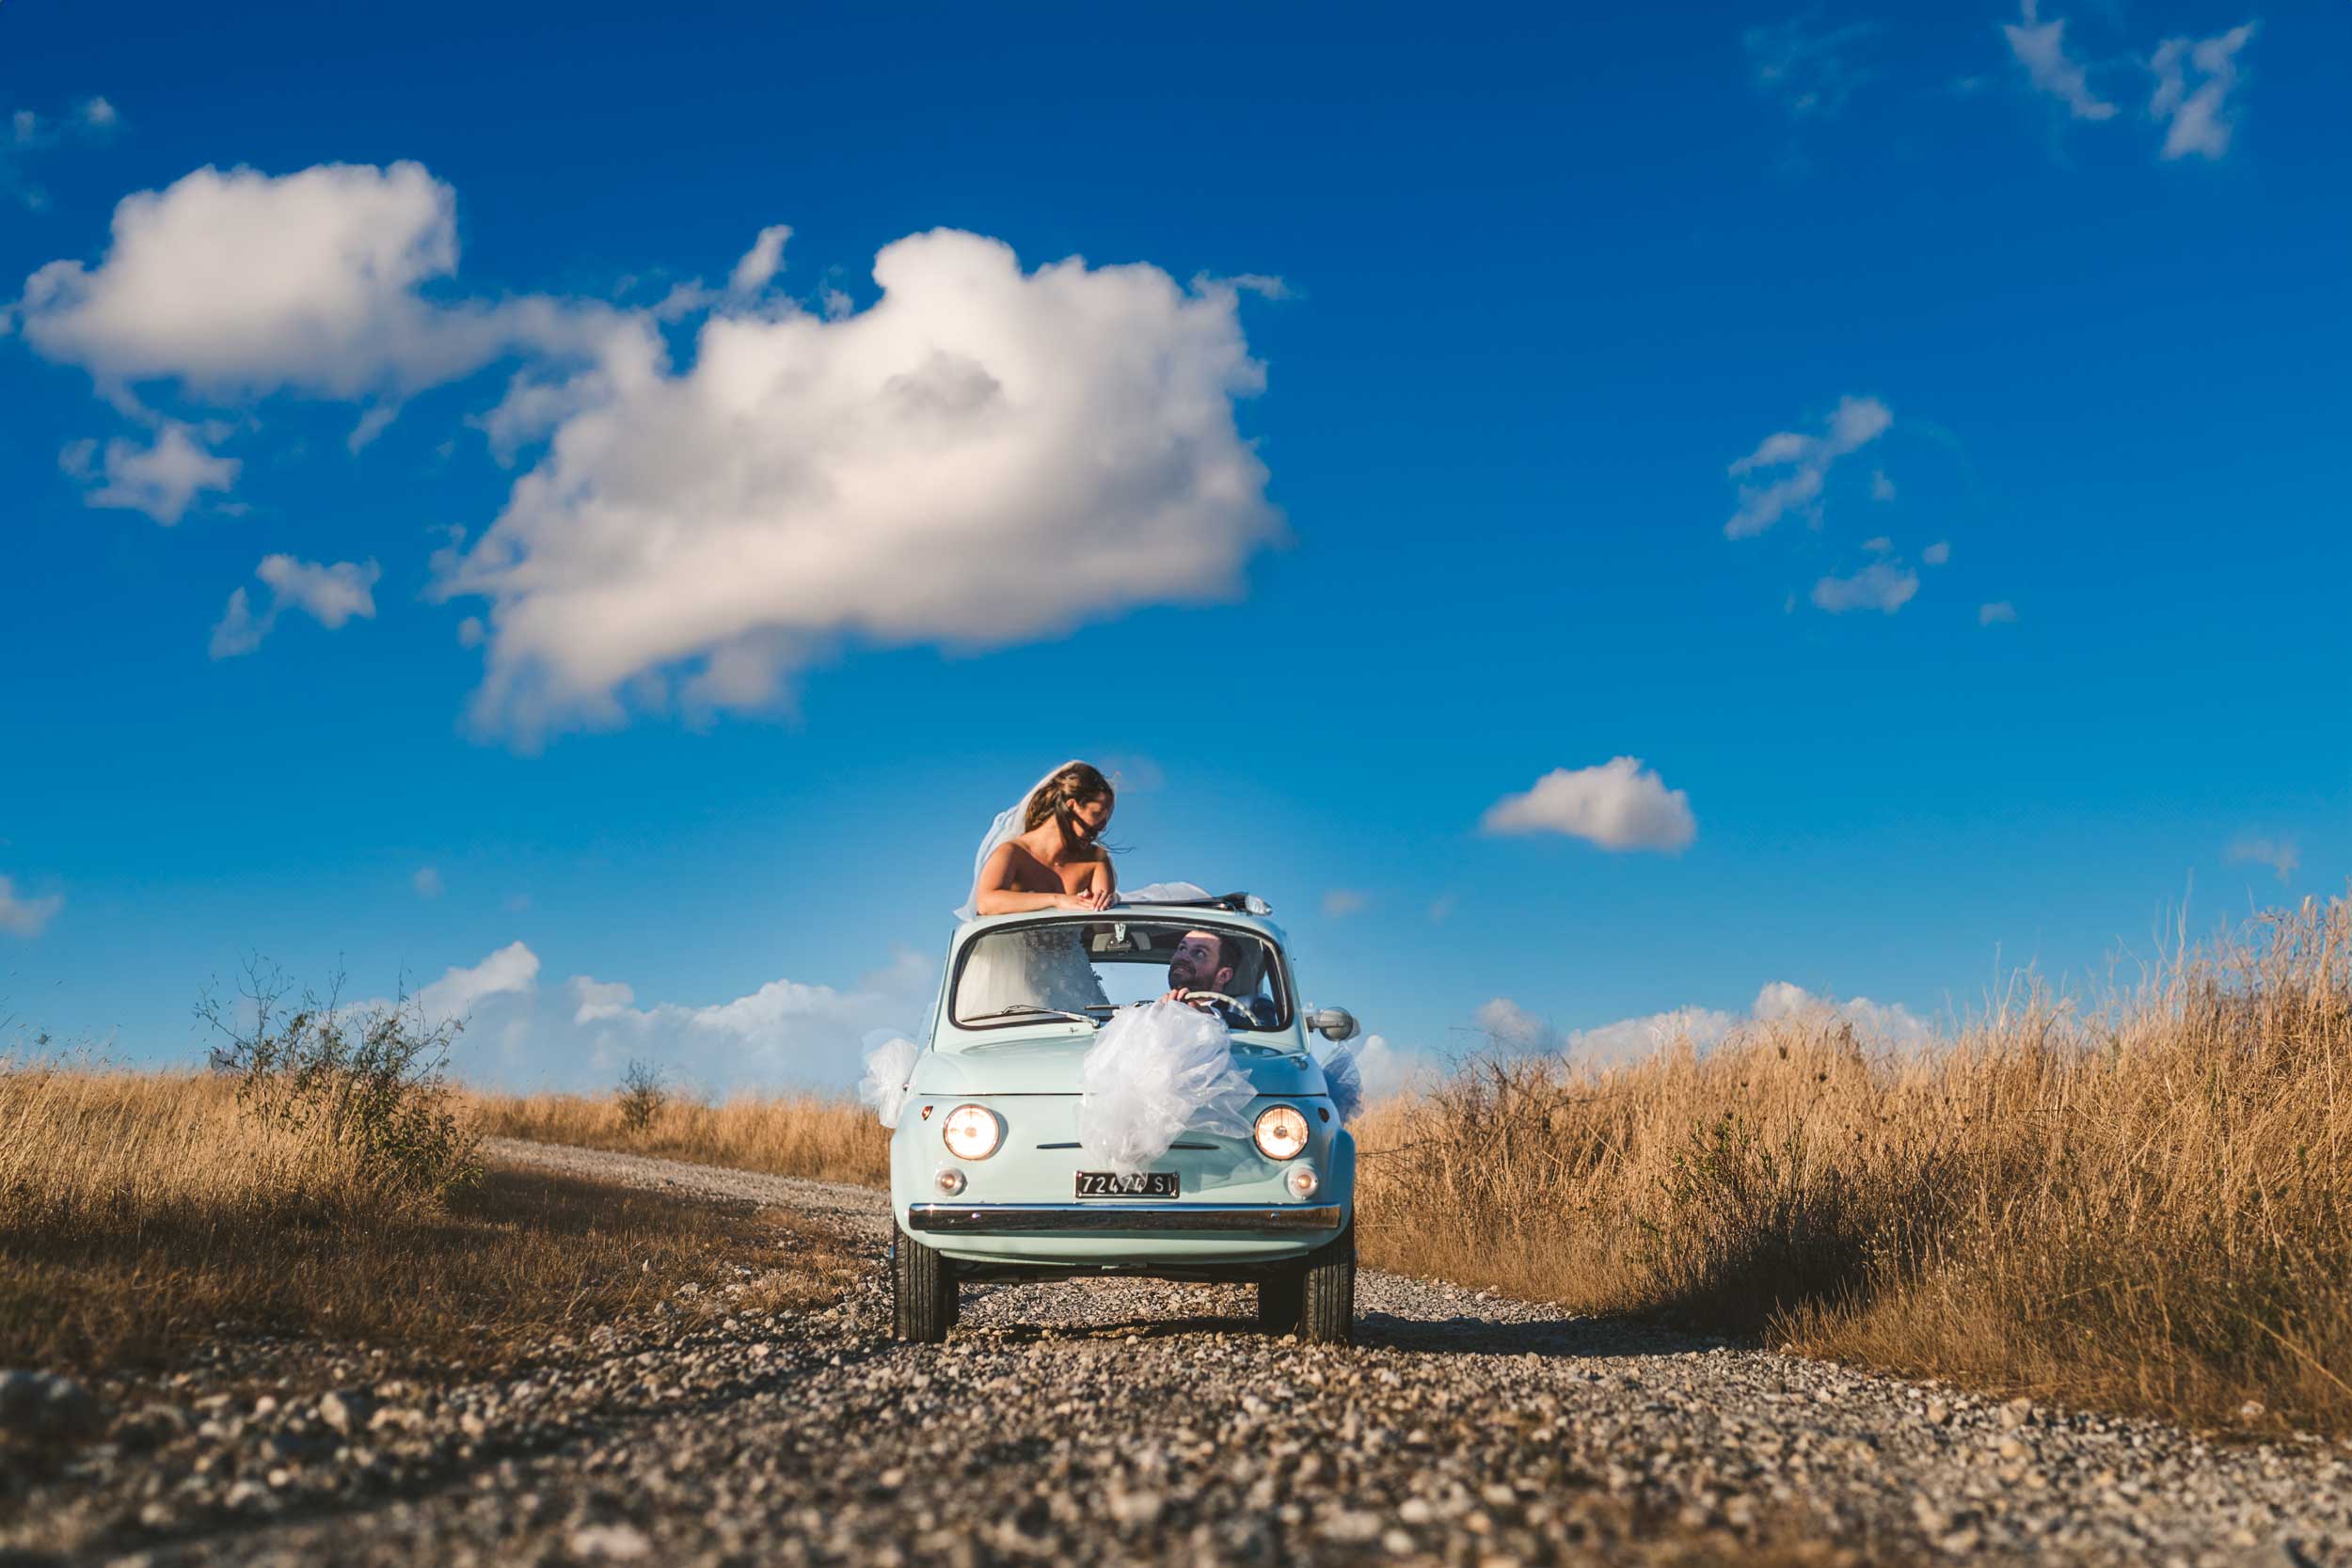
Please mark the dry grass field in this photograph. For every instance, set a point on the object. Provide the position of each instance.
(139, 1210)
(829, 1140)
(2147, 1206)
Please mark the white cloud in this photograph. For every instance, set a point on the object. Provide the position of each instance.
(1441, 909)
(1881, 487)
(1809, 73)
(1618, 805)
(1938, 553)
(599, 1000)
(1342, 901)
(1507, 1025)
(29, 133)
(2283, 855)
(1888, 1024)
(22, 915)
(1388, 1069)
(512, 971)
(1630, 1039)
(760, 263)
(1807, 459)
(1883, 585)
(330, 595)
(97, 113)
(2197, 118)
(161, 480)
(1882, 544)
(243, 283)
(1999, 612)
(2041, 48)
(427, 882)
(984, 455)
(1512, 1027)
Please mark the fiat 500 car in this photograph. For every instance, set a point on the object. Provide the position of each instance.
(988, 1176)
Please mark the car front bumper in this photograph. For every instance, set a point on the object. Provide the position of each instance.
(1122, 1218)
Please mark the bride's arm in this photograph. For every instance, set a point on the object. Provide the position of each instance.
(994, 891)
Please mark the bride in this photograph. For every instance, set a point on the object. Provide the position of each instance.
(1045, 853)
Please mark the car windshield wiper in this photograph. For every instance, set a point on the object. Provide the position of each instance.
(1024, 1010)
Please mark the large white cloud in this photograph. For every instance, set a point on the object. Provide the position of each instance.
(1789, 467)
(2196, 118)
(238, 282)
(984, 455)
(2041, 47)
(1618, 805)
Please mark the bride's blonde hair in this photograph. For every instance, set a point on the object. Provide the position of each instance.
(1072, 785)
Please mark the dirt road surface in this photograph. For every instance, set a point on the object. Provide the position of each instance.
(1134, 1422)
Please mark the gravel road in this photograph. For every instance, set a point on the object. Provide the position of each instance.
(1134, 1422)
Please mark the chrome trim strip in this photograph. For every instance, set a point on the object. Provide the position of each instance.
(1120, 1214)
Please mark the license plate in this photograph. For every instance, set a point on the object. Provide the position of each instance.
(1110, 1184)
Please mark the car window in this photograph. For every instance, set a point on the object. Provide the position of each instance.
(1013, 973)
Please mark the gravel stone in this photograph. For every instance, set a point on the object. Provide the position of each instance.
(1135, 1423)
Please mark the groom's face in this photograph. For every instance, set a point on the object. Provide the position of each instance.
(1199, 963)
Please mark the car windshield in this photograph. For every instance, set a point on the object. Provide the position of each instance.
(1087, 970)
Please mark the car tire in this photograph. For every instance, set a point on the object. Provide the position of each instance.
(1280, 1298)
(923, 1292)
(1327, 1313)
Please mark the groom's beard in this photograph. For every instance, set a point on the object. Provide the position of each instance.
(1180, 977)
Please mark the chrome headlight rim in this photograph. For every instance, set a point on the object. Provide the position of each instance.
(980, 1130)
(1272, 1143)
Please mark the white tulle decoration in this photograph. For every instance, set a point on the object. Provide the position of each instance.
(1156, 1070)
(889, 1066)
(1345, 1077)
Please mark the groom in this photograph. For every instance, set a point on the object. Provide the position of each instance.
(1207, 961)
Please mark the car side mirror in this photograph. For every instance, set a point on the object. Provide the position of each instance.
(1332, 1023)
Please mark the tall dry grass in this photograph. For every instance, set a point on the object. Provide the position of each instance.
(141, 1211)
(2145, 1206)
(829, 1140)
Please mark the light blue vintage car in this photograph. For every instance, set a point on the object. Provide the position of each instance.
(987, 1175)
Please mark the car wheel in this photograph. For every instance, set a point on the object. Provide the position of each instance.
(1326, 1314)
(1279, 1297)
(923, 1292)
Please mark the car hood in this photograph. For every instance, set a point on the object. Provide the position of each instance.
(1051, 1067)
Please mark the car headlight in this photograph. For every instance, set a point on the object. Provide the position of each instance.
(973, 1132)
(1281, 1132)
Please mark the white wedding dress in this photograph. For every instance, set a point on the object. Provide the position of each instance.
(1029, 968)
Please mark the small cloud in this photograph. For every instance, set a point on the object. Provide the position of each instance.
(512, 969)
(1879, 545)
(1440, 908)
(161, 480)
(1509, 1025)
(1883, 585)
(1809, 73)
(330, 596)
(2000, 613)
(1881, 487)
(760, 263)
(470, 632)
(1854, 424)
(2041, 48)
(1342, 902)
(427, 882)
(2197, 118)
(1938, 553)
(1131, 773)
(22, 915)
(2283, 855)
(598, 1000)
(1619, 805)
(97, 114)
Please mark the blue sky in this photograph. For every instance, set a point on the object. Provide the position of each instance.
(680, 608)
